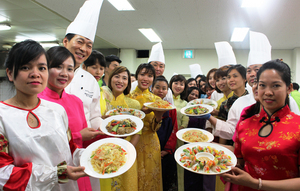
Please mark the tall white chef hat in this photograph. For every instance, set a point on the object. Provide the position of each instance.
(260, 49)
(157, 53)
(225, 54)
(195, 70)
(86, 21)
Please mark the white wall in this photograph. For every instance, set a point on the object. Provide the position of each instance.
(208, 59)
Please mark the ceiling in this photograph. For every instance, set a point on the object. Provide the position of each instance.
(181, 24)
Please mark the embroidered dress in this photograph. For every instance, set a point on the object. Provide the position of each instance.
(74, 108)
(271, 157)
(129, 180)
(148, 147)
(29, 155)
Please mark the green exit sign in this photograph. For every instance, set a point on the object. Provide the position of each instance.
(188, 54)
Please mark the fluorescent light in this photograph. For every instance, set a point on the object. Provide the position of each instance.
(121, 5)
(49, 44)
(251, 3)
(3, 18)
(239, 34)
(39, 38)
(150, 34)
(4, 27)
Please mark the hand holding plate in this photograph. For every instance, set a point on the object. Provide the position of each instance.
(74, 173)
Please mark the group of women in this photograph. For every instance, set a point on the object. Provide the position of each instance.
(43, 129)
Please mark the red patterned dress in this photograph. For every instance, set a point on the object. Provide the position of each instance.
(272, 157)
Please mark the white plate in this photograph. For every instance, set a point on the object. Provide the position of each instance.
(158, 109)
(125, 111)
(213, 145)
(85, 159)
(204, 101)
(210, 109)
(138, 121)
(182, 131)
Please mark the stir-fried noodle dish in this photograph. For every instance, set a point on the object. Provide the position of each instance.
(195, 136)
(161, 104)
(108, 158)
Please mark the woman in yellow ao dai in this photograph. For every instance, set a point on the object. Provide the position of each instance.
(148, 147)
(119, 85)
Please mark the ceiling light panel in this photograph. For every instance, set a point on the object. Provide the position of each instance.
(2, 18)
(39, 38)
(4, 27)
(150, 34)
(251, 3)
(122, 5)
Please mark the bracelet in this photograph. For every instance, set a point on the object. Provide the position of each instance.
(259, 184)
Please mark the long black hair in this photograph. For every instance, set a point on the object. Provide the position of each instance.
(22, 53)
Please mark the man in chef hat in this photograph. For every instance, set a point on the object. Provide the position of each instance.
(260, 52)
(79, 41)
(157, 60)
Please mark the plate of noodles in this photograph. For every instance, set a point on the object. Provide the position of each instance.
(107, 158)
(121, 125)
(126, 111)
(205, 158)
(160, 105)
(209, 102)
(191, 135)
(196, 110)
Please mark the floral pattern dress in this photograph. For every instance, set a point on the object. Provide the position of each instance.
(277, 154)
(148, 147)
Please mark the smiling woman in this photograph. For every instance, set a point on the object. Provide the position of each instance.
(148, 147)
(268, 131)
(33, 121)
(119, 84)
(61, 73)
(236, 80)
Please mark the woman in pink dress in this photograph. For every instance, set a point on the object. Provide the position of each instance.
(61, 72)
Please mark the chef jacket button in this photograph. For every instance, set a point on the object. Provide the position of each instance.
(81, 75)
(81, 87)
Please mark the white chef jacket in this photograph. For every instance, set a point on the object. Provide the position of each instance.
(44, 147)
(169, 96)
(249, 89)
(85, 86)
(216, 96)
(226, 129)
